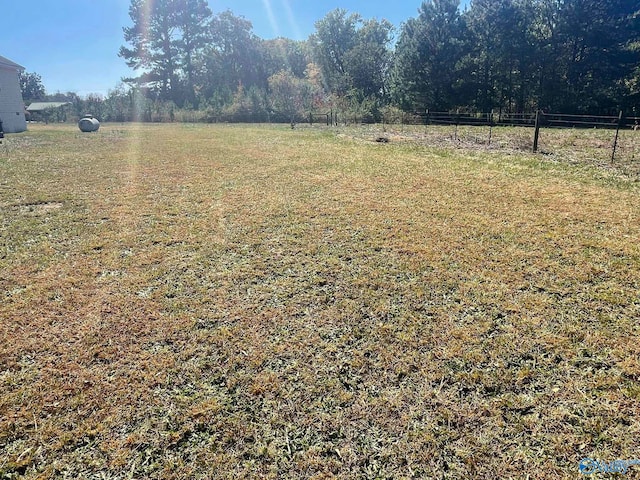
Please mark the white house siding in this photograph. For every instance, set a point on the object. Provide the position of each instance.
(11, 104)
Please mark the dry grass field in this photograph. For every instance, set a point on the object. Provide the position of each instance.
(185, 301)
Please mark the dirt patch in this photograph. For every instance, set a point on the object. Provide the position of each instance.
(38, 208)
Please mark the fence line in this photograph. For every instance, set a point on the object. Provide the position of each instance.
(525, 119)
(537, 121)
(609, 148)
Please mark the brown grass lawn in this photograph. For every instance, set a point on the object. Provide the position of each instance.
(255, 302)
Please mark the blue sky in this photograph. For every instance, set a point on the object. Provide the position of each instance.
(73, 44)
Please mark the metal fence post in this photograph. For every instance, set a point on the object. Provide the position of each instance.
(490, 119)
(536, 134)
(615, 142)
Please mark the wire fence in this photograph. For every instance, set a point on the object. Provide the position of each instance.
(607, 142)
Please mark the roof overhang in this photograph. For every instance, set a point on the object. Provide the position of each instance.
(6, 63)
(42, 106)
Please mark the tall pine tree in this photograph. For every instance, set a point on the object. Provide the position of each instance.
(153, 45)
(428, 56)
(193, 20)
(588, 54)
(164, 43)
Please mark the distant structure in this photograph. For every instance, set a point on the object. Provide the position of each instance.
(11, 103)
(45, 111)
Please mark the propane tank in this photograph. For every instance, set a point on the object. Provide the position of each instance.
(89, 123)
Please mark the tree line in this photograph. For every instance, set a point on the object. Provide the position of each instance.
(570, 56)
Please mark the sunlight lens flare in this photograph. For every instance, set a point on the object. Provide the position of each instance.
(272, 17)
(291, 18)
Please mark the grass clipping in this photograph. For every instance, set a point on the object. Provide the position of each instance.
(256, 302)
